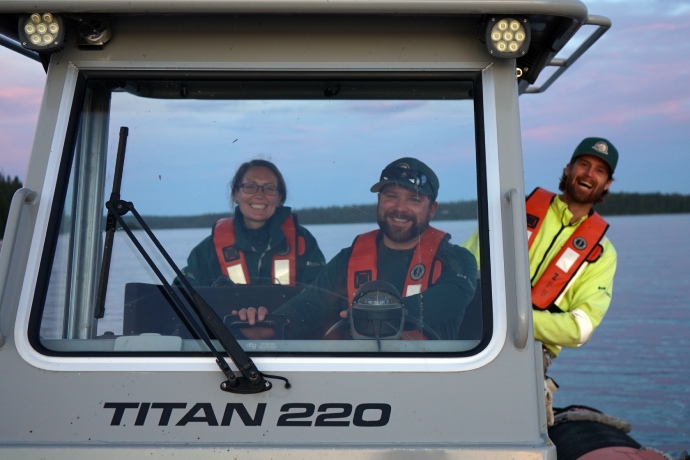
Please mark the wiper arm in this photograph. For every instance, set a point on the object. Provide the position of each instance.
(252, 380)
(110, 225)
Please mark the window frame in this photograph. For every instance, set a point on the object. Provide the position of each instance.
(59, 171)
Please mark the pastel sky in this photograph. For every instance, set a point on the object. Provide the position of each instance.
(632, 87)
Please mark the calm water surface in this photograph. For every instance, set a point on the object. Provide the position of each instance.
(637, 364)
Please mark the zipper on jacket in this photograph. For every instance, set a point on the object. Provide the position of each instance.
(553, 241)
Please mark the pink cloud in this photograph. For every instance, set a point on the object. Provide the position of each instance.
(15, 98)
(623, 118)
(654, 27)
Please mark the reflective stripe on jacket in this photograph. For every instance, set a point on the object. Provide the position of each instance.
(583, 247)
(233, 262)
(423, 271)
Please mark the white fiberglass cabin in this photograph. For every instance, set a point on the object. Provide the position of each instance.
(151, 106)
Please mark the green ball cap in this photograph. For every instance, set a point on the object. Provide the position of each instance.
(600, 148)
(409, 173)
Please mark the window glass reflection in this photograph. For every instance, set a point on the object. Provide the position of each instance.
(182, 155)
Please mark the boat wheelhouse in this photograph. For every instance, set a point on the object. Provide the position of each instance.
(148, 109)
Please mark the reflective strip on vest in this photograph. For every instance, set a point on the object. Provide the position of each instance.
(285, 265)
(236, 274)
(583, 247)
(412, 289)
(571, 282)
(361, 267)
(233, 262)
(584, 324)
(281, 272)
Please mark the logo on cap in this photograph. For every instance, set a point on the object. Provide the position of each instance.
(601, 147)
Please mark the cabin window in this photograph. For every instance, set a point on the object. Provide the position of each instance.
(330, 135)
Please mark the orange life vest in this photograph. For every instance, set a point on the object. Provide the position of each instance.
(424, 269)
(583, 246)
(233, 262)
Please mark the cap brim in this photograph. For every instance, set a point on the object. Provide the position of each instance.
(379, 185)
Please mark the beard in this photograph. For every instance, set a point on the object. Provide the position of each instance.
(580, 196)
(402, 235)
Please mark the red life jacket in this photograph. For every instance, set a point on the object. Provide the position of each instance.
(583, 247)
(234, 264)
(424, 270)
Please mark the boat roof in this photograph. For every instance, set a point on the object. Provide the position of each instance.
(568, 8)
(553, 22)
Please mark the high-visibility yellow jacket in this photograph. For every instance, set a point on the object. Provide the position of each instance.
(585, 303)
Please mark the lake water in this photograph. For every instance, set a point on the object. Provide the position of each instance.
(637, 364)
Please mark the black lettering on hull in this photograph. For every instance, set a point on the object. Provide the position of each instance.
(293, 414)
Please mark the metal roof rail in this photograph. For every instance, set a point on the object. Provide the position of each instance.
(603, 24)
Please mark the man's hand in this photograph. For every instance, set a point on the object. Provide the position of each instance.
(252, 315)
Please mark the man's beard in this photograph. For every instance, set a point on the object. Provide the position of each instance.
(579, 197)
(400, 235)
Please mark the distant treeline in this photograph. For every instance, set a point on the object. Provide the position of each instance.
(615, 204)
(619, 204)
(354, 214)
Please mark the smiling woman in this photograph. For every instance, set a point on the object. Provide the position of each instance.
(258, 189)
(262, 244)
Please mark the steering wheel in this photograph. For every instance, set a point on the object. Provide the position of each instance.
(377, 313)
(413, 329)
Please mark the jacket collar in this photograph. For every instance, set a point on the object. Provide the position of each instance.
(276, 237)
(562, 210)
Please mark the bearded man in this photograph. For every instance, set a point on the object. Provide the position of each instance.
(571, 262)
(436, 278)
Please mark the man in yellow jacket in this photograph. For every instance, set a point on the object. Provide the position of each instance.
(572, 263)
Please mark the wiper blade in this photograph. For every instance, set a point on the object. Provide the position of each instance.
(204, 318)
(110, 225)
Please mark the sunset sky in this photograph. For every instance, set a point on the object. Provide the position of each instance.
(632, 87)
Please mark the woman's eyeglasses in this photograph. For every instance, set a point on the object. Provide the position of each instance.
(268, 189)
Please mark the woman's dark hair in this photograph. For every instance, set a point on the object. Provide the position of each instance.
(244, 167)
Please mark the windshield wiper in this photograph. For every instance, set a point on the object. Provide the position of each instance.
(202, 318)
(111, 225)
